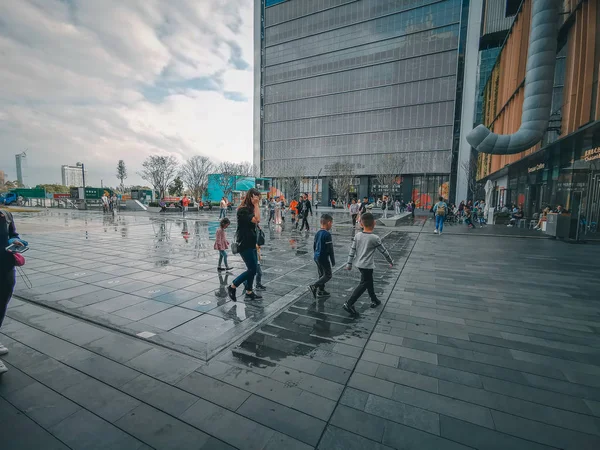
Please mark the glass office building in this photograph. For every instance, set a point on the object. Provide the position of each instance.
(353, 81)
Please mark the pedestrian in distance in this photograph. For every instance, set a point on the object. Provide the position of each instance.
(299, 211)
(323, 256)
(354, 207)
(222, 244)
(248, 218)
(306, 210)
(224, 203)
(185, 203)
(362, 209)
(384, 206)
(271, 210)
(362, 255)
(8, 279)
(440, 209)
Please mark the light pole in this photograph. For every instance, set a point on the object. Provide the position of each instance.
(317, 192)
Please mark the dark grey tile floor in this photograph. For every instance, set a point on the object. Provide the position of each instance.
(483, 342)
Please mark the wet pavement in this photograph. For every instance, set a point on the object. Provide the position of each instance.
(157, 276)
(488, 343)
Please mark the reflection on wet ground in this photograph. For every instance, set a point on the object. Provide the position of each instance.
(149, 274)
(311, 335)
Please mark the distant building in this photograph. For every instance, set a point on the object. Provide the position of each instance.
(72, 175)
(20, 162)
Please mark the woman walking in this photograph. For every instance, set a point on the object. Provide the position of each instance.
(8, 236)
(248, 218)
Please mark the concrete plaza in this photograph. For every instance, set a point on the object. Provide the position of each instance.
(126, 340)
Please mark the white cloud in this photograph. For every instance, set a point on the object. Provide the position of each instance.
(100, 81)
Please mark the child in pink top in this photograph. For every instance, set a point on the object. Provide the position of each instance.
(222, 244)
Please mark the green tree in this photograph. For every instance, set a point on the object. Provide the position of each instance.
(176, 187)
(54, 188)
(121, 173)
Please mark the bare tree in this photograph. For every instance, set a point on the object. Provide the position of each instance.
(159, 171)
(246, 169)
(121, 173)
(342, 179)
(291, 179)
(195, 173)
(389, 168)
(470, 169)
(227, 173)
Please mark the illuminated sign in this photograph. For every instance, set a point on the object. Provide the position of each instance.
(591, 154)
(535, 168)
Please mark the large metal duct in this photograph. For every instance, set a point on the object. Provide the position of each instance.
(539, 80)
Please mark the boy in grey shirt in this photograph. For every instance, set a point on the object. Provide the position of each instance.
(363, 253)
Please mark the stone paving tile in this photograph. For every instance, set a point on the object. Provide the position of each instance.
(55, 375)
(165, 365)
(159, 394)
(83, 430)
(102, 400)
(286, 420)
(43, 405)
(227, 426)
(160, 430)
(214, 390)
(483, 438)
(20, 432)
(338, 439)
(118, 348)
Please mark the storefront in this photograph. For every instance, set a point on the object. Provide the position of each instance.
(565, 173)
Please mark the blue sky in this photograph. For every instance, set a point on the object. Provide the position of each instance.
(99, 81)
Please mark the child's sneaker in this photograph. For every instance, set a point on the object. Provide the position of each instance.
(261, 287)
(375, 302)
(350, 309)
(220, 269)
(313, 290)
(323, 293)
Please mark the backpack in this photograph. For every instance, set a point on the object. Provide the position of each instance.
(441, 210)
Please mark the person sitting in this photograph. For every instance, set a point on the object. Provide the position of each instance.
(516, 216)
(542, 219)
(163, 205)
(468, 217)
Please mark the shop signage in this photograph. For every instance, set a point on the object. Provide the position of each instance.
(591, 154)
(537, 167)
(61, 195)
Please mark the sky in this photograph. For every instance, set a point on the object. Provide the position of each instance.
(98, 81)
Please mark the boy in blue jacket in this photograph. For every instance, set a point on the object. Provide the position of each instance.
(324, 257)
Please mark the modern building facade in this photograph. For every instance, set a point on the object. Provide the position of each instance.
(355, 81)
(488, 25)
(72, 175)
(564, 168)
(20, 161)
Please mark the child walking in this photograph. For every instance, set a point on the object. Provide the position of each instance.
(323, 256)
(363, 249)
(222, 244)
(259, 284)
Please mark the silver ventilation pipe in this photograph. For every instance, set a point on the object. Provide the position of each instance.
(539, 81)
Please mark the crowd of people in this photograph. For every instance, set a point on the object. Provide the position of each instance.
(249, 238)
